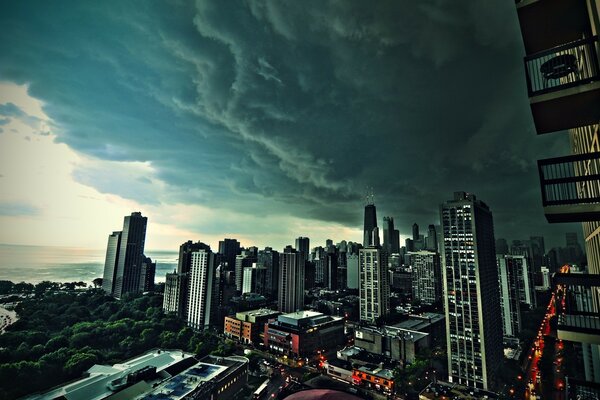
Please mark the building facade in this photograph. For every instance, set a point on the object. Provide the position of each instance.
(110, 263)
(374, 287)
(471, 292)
(291, 282)
(426, 276)
(202, 294)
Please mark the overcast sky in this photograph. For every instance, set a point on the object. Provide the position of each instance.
(262, 120)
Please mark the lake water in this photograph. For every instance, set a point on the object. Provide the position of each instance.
(66, 264)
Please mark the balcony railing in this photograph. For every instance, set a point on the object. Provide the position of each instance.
(561, 67)
(572, 179)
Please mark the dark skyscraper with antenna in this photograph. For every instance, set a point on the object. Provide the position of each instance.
(370, 223)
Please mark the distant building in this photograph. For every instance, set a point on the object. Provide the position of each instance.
(124, 257)
(303, 248)
(203, 298)
(304, 334)
(147, 275)
(374, 289)
(110, 263)
(243, 260)
(546, 282)
(173, 299)
(426, 276)
(228, 250)
(431, 241)
(291, 281)
(472, 295)
(269, 259)
(508, 274)
(352, 271)
(179, 280)
(370, 223)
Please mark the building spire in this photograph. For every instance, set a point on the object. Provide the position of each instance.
(369, 197)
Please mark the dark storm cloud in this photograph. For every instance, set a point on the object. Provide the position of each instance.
(293, 107)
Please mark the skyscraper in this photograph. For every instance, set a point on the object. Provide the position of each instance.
(180, 279)
(426, 276)
(303, 247)
(228, 250)
(243, 260)
(127, 268)
(415, 232)
(508, 276)
(370, 223)
(374, 285)
(202, 303)
(388, 234)
(472, 299)
(269, 259)
(110, 263)
(291, 281)
(147, 275)
(432, 242)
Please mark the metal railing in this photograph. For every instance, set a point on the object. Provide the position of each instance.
(561, 67)
(572, 179)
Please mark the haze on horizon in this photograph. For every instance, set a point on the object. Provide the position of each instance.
(262, 121)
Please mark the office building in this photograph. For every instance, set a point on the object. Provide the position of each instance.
(304, 334)
(472, 295)
(228, 250)
(431, 241)
(426, 276)
(389, 235)
(124, 257)
(374, 287)
(177, 302)
(203, 296)
(303, 247)
(370, 223)
(147, 275)
(249, 326)
(175, 296)
(269, 259)
(510, 288)
(110, 263)
(243, 260)
(563, 84)
(291, 281)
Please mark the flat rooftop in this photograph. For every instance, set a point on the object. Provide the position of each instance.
(96, 385)
(377, 371)
(252, 314)
(444, 390)
(418, 322)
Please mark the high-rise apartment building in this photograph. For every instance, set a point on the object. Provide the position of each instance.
(243, 260)
(303, 247)
(110, 263)
(562, 68)
(125, 256)
(426, 276)
(203, 298)
(228, 250)
(269, 260)
(472, 300)
(291, 281)
(509, 274)
(374, 286)
(179, 280)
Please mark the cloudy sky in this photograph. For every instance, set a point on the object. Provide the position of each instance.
(262, 120)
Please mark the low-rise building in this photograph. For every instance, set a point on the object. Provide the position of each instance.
(157, 374)
(304, 334)
(249, 326)
(338, 369)
(374, 377)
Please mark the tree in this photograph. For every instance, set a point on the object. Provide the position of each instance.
(98, 282)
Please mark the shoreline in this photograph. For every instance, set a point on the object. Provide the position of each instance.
(7, 318)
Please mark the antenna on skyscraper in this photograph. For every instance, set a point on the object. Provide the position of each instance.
(370, 197)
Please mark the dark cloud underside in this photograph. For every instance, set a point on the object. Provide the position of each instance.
(292, 107)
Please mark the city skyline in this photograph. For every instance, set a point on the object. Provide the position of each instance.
(188, 121)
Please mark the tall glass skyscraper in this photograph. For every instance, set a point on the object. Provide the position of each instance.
(124, 257)
(471, 292)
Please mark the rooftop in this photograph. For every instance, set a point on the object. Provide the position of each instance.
(95, 386)
(444, 390)
(377, 371)
(252, 314)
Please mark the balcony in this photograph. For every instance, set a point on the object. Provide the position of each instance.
(571, 187)
(549, 23)
(578, 318)
(564, 85)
